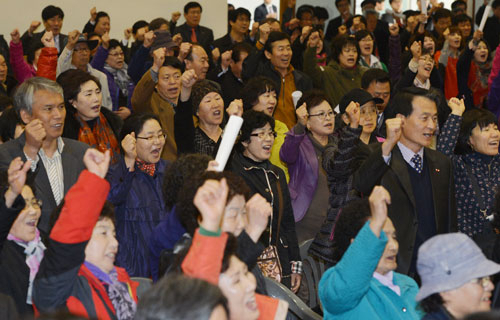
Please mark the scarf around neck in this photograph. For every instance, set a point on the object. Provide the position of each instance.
(120, 76)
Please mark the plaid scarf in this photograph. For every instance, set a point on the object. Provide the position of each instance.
(145, 167)
(34, 254)
(100, 137)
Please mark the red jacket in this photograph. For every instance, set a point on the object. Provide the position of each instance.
(63, 281)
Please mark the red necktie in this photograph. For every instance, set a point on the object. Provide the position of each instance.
(193, 36)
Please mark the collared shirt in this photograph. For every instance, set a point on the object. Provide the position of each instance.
(407, 155)
(53, 168)
(388, 281)
(56, 42)
(269, 8)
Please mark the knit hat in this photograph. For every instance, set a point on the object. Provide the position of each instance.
(448, 261)
(200, 89)
(163, 39)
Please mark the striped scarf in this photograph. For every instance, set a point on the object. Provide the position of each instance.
(100, 137)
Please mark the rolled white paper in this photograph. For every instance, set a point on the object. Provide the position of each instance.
(485, 16)
(231, 131)
(423, 6)
(296, 95)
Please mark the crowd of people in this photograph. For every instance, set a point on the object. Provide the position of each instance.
(369, 139)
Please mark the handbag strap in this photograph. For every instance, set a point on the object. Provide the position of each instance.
(477, 192)
(280, 210)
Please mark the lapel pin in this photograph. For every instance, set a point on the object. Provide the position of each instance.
(437, 170)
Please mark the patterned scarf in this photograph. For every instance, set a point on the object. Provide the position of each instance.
(34, 255)
(478, 81)
(100, 137)
(120, 76)
(118, 292)
(145, 167)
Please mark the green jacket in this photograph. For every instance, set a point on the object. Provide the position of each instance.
(333, 79)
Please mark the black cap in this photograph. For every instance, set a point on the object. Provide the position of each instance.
(91, 43)
(357, 95)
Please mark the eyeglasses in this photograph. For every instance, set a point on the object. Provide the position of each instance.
(484, 281)
(82, 50)
(34, 203)
(118, 54)
(152, 139)
(322, 115)
(263, 135)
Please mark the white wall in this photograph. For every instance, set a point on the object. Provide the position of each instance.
(123, 13)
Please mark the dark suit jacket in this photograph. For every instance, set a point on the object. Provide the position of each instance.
(37, 37)
(402, 210)
(72, 163)
(260, 12)
(205, 36)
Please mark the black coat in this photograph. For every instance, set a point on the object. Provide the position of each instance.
(14, 273)
(260, 12)
(204, 35)
(28, 40)
(254, 174)
(402, 210)
(72, 127)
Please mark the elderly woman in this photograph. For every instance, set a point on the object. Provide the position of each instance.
(7, 83)
(471, 141)
(21, 247)
(454, 285)
(78, 274)
(363, 284)
(86, 120)
(110, 60)
(251, 161)
(342, 74)
(259, 94)
(136, 190)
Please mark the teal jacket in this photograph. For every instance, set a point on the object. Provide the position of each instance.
(349, 290)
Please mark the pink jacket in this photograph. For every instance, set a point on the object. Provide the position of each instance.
(47, 63)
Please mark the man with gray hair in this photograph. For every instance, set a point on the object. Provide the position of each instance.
(56, 162)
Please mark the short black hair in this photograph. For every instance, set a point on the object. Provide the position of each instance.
(273, 37)
(455, 4)
(8, 122)
(402, 102)
(113, 43)
(321, 13)
(340, 42)
(185, 209)
(351, 219)
(441, 13)
(252, 120)
(305, 8)
(238, 48)
(312, 98)
(350, 21)
(51, 11)
(459, 18)
(432, 303)
(234, 14)
(32, 49)
(138, 25)
(362, 34)
(183, 169)
(374, 74)
(156, 23)
(191, 5)
(421, 37)
(71, 81)
(471, 119)
(337, 2)
(174, 63)
(177, 297)
(135, 123)
(254, 88)
(101, 14)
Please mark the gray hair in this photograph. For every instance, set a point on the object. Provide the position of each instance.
(23, 96)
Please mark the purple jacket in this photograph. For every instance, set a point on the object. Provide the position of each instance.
(98, 63)
(299, 154)
(22, 70)
(494, 82)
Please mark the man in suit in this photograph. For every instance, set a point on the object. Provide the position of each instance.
(419, 179)
(191, 31)
(52, 17)
(265, 10)
(56, 162)
(344, 7)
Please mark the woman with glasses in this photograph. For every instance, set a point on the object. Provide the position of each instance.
(455, 277)
(86, 120)
(110, 60)
(302, 151)
(21, 248)
(251, 161)
(136, 191)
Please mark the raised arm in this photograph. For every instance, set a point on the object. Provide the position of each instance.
(447, 139)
